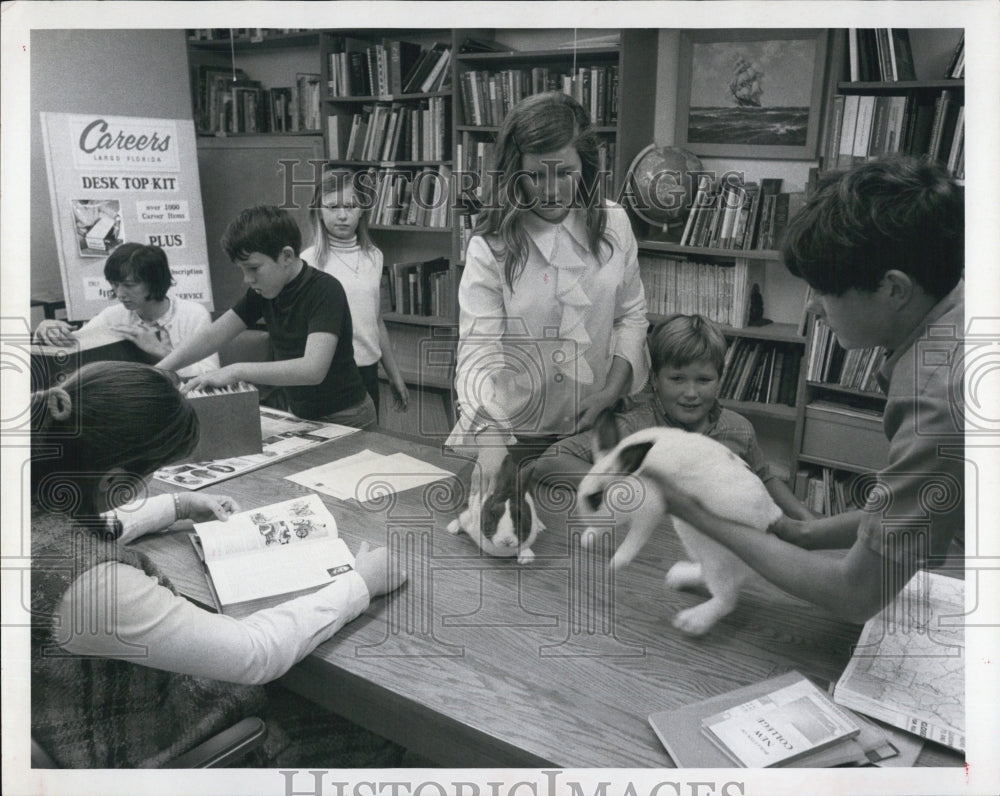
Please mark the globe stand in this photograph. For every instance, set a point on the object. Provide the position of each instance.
(663, 233)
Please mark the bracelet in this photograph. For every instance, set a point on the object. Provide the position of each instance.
(177, 506)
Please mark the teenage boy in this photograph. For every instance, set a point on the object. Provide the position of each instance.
(882, 248)
(308, 321)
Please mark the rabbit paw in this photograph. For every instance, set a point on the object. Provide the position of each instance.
(454, 527)
(526, 556)
(699, 620)
(684, 575)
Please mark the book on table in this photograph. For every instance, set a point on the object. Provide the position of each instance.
(908, 668)
(780, 726)
(279, 550)
(844, 740)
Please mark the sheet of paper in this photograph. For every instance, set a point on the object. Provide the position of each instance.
(367, 475)
(86, 339)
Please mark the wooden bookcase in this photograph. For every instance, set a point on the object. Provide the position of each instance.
(929, 106)
(776, 421)
(424, 345)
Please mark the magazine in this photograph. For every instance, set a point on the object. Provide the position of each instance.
(273, 550)
(282, 434)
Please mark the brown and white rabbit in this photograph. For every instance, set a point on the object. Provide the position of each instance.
(504, 522)
(697, 466)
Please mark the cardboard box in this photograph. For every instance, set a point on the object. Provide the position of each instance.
(229, 418)
(844, 437)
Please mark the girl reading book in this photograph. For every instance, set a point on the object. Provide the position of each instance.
(126, 673)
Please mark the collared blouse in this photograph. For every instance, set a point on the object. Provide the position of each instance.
(527, 356)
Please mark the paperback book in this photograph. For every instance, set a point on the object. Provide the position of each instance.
(779, 727)
(273, 550)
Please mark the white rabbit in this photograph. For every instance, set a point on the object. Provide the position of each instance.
(699, 467)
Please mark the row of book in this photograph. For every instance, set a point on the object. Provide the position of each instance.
(729, 214)
(825, 491)
(475, 155)
(866, 127)
(385, 132)
(240, 34)
(721, 293)
(426, 288)
(829, 363)
(415, 198)
(466, 224)
(880, 55)
(228, 101)
(761, 371)
(956, 67)
(387, 68)
(487, 96)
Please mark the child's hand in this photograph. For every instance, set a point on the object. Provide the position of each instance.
(380, 571)
(144, 338)
(52, 332)
(487, 470)
(222, 377)
(591, 407)
(400, 396)
(200, 507)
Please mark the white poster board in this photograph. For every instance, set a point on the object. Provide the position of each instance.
(114, 179)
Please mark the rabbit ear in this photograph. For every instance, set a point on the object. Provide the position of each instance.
(604, 434)
(630, 458)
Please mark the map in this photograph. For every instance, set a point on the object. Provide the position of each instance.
(908, 668)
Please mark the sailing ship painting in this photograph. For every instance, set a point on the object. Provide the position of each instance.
(747, 84)
(750, 92)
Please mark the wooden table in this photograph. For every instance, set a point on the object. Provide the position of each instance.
(480, 661)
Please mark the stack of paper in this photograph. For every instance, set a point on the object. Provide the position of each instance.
(368, 476)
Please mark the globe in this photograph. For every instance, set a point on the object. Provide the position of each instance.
(659, 185)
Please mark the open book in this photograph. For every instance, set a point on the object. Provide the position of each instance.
(274, 550)
(908, 668)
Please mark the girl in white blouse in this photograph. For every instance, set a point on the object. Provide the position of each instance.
(343, 247)
(140, 277)
(552, 319)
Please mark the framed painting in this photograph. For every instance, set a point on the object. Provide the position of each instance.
(751, 93)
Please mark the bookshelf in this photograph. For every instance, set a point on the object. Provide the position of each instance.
(762, 376)
(496, 68)
(897, 90)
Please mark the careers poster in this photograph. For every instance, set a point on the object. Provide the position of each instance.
(114, 179)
